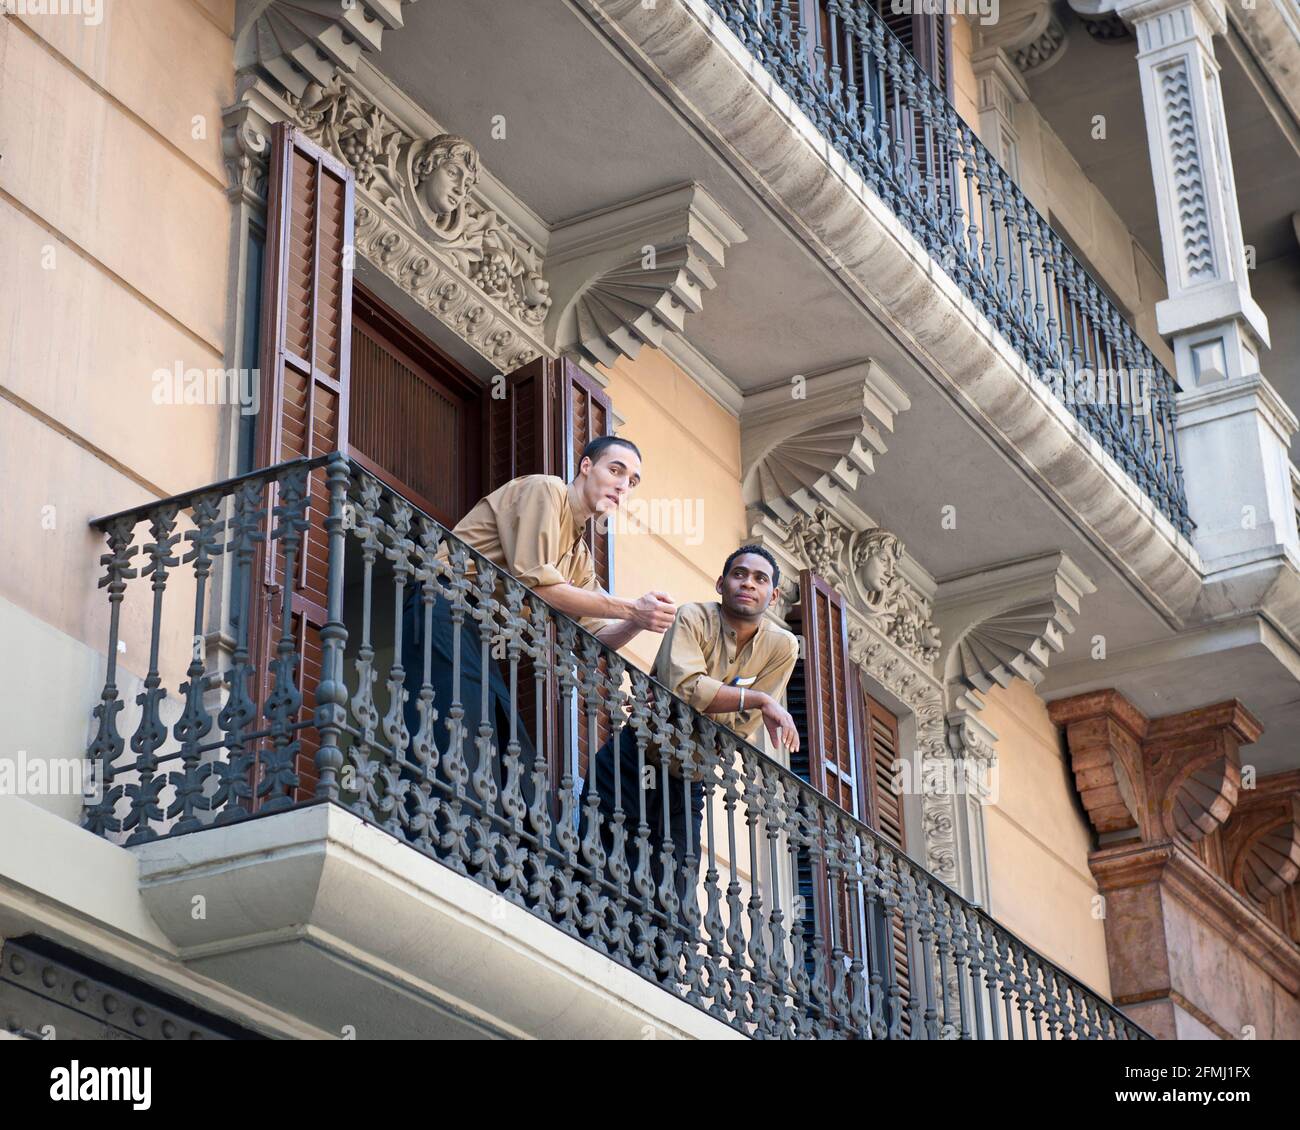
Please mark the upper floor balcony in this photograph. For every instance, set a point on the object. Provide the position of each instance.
(777, 915)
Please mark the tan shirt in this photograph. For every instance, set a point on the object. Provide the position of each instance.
(698, 656)
(528, 528)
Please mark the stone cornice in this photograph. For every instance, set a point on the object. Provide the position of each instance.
(1209, 898)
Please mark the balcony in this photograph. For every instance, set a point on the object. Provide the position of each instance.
(788, 919)
(872, 101)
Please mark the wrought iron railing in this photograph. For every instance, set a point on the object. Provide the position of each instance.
(883, 113)
(780, 914)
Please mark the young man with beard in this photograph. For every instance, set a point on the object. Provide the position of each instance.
(727, 660)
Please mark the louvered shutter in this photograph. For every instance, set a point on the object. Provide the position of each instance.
(848, 745)
(521, 424)
(822, 707)
(588, 414)
(306, 343)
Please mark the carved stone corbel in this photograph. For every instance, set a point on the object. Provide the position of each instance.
(804, 444)
(623, 277)
(1261, 840)
(1030, 32)
(298, 42)
(1006, 622)
(1193, 767)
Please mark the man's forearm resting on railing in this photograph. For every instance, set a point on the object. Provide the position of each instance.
(652, 612)
(777, 720)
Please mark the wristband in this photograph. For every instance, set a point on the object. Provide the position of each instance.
(742, 698)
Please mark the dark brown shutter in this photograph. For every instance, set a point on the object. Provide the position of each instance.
(883, 752)
(820, 702)
(588, 414)
(848, 745)
(830, 734)
(521, 424)
(550, 411)
(306, 344)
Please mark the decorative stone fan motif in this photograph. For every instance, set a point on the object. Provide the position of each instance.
(1272, 862)
(1015, 643)
(812, 468)
(631, 307)
(1205, 799)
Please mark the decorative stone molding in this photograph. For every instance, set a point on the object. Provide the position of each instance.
(865, 566)
(972, 741)
(1001, 89)
(1106, 28)
(625, 276)
(1196, 197)
(1030, 32)
(295, 43)
(804, 443)
(1175, 777)
(1006, 622)
(419, 220)
(422, 216)
(1261, 843)
(46, 989)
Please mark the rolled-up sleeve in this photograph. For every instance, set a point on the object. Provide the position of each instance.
(528, 524)
(681, 665)
(776, 671)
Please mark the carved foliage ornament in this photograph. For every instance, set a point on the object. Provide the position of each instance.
(863, 565)
(428, 185)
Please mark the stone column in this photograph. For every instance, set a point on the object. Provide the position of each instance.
(1234, 430)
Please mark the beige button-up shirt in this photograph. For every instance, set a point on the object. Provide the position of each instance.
(528, 528)
(698, 656)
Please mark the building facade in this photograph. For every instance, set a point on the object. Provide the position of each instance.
(983, 321)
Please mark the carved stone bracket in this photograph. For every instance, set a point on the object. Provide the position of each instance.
(804, 444)
(1004, 623)
(1030, 31)
(1261, 842)
(1186, 849)
(624, 276)
(1176, 777)
(295, 43)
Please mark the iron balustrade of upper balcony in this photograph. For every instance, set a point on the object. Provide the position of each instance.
(784, 917)
(874, 102)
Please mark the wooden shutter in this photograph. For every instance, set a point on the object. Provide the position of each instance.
(830, 731)
(550, 411)
(306, 344)
(521, 427)
(819, 700)
(588, 414)
(848, 745)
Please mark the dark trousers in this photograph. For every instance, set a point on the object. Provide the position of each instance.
(683, 833)
(472, 674)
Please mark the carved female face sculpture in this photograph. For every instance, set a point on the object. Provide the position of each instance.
(878, 570)
(447, 170)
